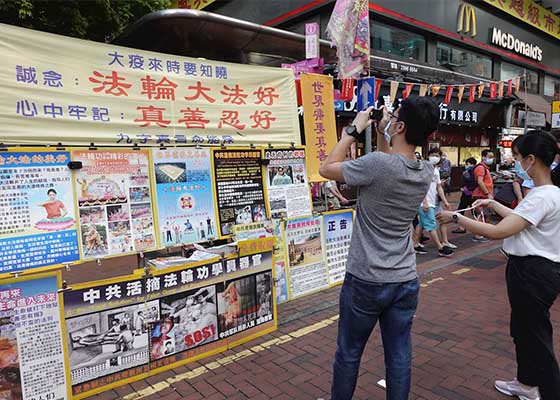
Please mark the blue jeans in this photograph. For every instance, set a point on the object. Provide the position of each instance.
(361, 305)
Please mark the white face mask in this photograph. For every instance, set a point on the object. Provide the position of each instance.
(386, 133)
(434, 160)
(489, 161)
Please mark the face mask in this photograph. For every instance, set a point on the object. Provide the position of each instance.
(444, 157)
(469, 167)
(434, 160)
(489, 161)
(386, 133)
(521, 172)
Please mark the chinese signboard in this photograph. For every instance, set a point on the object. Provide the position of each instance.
(114, 202)
(318, 117)
(57, 86)
(185, 200)
(124, 329)
(239, 188)
(31, 339)
(338, 232)
(288, 189)
(37, 214)
(556, 114)
(531, 13)
(306, 261)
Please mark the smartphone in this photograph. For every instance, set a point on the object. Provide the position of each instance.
(376, 115)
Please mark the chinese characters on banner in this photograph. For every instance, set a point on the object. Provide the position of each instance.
(319, 122)
(307, 269)
(31, 342)
(288, 189)
(531, 13)
(114, 202)
(127, 328)
(185, 203)
(338, 232)
(119, 96)
(239, 188)
(37, 214)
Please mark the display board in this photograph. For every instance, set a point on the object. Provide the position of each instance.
(121, 330)
(281, 276)
(37, 214)
(184, 192)
(32, 350)
(239, 188)
(288, 188)
(338, 227)
(305, 256)
(114, 202)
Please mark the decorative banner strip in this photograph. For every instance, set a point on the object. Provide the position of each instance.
(423, 89)
(460, 93)
(448, 94)
(393, 90)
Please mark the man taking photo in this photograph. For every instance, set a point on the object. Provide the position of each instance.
(381, 282)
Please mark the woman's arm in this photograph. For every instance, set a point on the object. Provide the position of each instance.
(502, 210)
(509, 226)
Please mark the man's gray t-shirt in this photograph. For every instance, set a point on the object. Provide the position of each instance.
(392, 188)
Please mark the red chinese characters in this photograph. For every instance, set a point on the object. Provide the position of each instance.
(265, 95)
(517, 6)
(194, 118)
(200, 91)
(152, 116)
(262, 119)
(549, 22)
(231, 118)
(162, 90)
(234, 95)
(111, 84)
(534, 14)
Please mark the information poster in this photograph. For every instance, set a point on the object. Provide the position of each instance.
(306, 261)
(281, 279)
(185, 203)
(124, 329)
(37, 214)
(338, 232)
(32, 361)
(239, 188)
(254, 230)
(288, 188)
(114, 202)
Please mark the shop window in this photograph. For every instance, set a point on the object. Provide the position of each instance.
(467, 152)
(397, 41)
(552, 86)
(452, 154)
(512, 71)
(465, 61)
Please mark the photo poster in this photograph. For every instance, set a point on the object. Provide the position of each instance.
(37, 214)
(114, 202)
(280, 278)
(254, 230)
(338, 227)
(287, 185)
(32, 347)
(307, 270)
(239, 188)
(121, 330)
(185, 201)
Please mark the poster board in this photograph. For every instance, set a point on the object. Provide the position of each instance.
(288, 191)
(33, 357)
(307, 270)
(238, 177)
(338, 227)
(37, 214)
(280, 270)
(184, 195)
(114, 197)
(166, 320)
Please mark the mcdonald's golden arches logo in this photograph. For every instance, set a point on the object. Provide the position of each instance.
(466, 19)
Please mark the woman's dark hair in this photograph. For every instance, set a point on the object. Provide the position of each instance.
(435, 150)
(51, 190)
(542, 145)
(421, 117)
(471, 160)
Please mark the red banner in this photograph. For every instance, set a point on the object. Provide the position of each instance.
(492, 90)
(407, 90)
(472, 91)
(510, 88)
(448, 94)
(378, 83)
(347, 90)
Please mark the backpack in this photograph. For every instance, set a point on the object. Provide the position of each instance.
(468, 178)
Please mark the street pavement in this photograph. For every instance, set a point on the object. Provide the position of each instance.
(461, 343)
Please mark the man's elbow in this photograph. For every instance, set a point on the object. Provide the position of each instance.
(324, 171)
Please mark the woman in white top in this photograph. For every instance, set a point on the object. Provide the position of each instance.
(532, 243)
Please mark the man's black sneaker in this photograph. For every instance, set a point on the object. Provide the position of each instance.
(445, 252)
(420, 250)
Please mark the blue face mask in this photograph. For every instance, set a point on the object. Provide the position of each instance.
(521, 172)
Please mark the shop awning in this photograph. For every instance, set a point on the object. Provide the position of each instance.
(537, 103)
(201, 34)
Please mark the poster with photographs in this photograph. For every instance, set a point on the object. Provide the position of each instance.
(188, 320)
(104, 343)
(239, 188)
(306, 262)
(338, 232)
(114, 202)
(237, 306)
(37, 214)
(265, 304)
(288, 190)
(280, 281)
(32, 362)
(186, 211)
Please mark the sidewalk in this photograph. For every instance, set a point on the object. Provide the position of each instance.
(461, 344)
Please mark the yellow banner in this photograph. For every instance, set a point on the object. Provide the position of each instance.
(192, 4)
(318, 117)
(556, 106)
(60, 89)
(531, 13)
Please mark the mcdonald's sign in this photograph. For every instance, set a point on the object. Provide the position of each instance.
(466, 19)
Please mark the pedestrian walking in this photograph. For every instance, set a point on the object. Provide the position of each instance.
(531, 233)
(469, 184)
(381, 283)
(485, 184)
